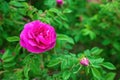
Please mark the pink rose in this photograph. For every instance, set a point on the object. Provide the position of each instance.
(38, 37)
(59, 2)
(84, 61)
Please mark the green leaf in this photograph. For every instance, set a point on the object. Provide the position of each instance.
(19, 74)
(49, 3)
(67, 11)
(110, 76)
(8, 59)
(13, 38)
(96, 60)
(5, 54)
(16, 4)
(17, 49)
(66, 75)
(64, 64)
(87, 52)
(85, 32)
(96, 73)
(64, 18)
(9, 64)
(4, 7)
(89, 32)
(108, 65)
(55, 10)
(116, 45)
(54, 62)
(66, 25)
(65, 38)
(92, 35)
(99, 60)
(106, 42)
(26, 72)
(96, 51)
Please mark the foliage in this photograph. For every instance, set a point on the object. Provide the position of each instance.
(84, 29)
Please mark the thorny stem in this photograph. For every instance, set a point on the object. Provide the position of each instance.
(42, 63)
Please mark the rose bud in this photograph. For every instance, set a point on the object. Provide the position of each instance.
(59, 2)
(84, 61)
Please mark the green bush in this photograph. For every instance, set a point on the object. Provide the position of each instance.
(84, 28)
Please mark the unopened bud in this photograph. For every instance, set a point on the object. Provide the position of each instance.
(84, 61)
(59, 2)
